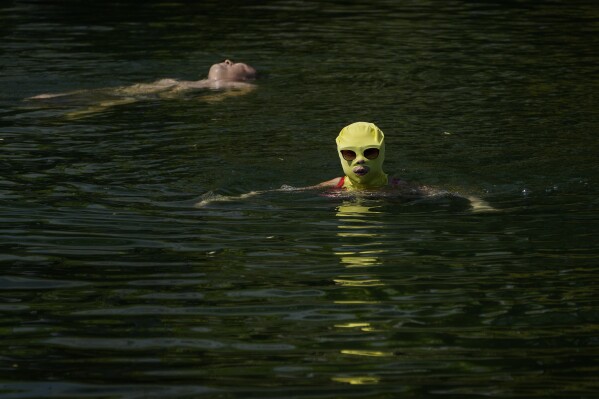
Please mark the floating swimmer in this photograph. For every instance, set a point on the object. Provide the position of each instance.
(231, 78)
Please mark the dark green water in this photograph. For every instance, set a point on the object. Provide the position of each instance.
(113, 285)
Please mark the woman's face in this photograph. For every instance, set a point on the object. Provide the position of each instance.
(232, 71)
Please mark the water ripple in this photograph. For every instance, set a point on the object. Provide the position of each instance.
(22, 283)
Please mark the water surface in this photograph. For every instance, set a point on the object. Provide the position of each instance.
(114, 284)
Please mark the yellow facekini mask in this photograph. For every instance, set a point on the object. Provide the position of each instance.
(361, 148)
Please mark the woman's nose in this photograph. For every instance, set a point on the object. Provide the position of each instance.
(360, 160)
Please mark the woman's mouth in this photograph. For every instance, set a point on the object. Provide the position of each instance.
(361, 170)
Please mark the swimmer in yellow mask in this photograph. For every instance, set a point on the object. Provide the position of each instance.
(361, 149)
(230, 78)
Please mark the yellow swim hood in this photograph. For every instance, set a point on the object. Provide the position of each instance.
(360, 141)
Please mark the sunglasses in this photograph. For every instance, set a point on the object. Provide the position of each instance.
(369, 153)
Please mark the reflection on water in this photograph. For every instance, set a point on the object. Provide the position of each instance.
(360, 252)
(114, 284)
(361, 247)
